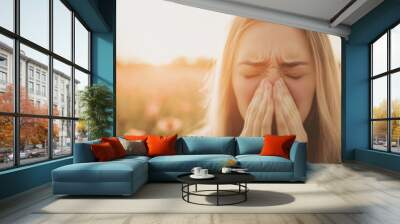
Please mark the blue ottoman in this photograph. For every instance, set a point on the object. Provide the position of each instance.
(118, 177)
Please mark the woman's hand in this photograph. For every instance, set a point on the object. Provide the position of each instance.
(259, 114)
(287, 116)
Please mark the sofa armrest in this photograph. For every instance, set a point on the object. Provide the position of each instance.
(298, 155)
(83, 152)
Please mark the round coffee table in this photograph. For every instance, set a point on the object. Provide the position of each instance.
(238, 179)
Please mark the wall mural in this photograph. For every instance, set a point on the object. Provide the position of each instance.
(197, 72)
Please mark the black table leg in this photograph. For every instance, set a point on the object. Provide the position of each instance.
(217, 194)
(245, 193)
(188, 190)
(220, 193)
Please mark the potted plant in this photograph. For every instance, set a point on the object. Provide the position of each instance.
(96, 102)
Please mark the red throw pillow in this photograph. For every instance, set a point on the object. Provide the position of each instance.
(277, 145)
(116, 145)
(103, 152)
(161, 145)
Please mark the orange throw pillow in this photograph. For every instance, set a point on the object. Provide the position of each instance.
(103, 152)
(277, 145)
(116, 145)
(135, 137)
(161, 145)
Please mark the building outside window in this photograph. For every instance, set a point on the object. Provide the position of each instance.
(34, 75)
(30, 72)
(30, 87)
(37, 75)
(385, 91)
(55, 96)
(3, 61)
(3, 78)
(38, 89)
(43, 90)
(44, 77)
(3, 72)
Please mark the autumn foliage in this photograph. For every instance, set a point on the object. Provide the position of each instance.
(33, 131)
(380, 127)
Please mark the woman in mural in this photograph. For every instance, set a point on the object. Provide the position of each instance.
(275, 79)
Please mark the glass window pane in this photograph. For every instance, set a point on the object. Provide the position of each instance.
(6, 142)
(395, 138)
(81, 131)
(7, 14)
(81, 45)
(81, 81)
(379, 97)
(395, 94)
(379, 135)
(34, 80)
(379, 55)
(62, 89)
(62, 138)
(62, 29)
(33, 139)
(6, 74)
(395, 47)
(34, 21)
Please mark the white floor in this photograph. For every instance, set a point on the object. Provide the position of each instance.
(377, 190)
(262, 198)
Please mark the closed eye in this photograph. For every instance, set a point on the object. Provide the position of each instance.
(294, 70)
(249, 71)
(294, 76)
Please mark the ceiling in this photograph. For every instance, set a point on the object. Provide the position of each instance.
(329, 16)
(319, 9)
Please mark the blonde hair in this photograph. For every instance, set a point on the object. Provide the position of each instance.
(323, 122)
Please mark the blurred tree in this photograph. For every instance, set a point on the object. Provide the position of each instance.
(34, 130)
(203, 62)
(180, 62)
(380, 111)
(81, 129)
(396, 123)
(380, 127)
(7, 99)
(6, 132)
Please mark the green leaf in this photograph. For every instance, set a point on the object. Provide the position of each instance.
(96, 102)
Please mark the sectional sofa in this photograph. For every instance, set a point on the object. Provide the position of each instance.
(125, 176)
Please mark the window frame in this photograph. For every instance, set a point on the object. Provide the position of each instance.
(16, 114)
(388, 74)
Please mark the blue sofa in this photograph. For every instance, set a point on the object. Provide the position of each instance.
(125, 176)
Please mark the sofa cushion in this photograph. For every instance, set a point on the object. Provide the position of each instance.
(195, 145)
(103, 152)
(116, 145)
(257, 163)
(275, 145)
(111, 171)
(185, 163)
(249, 145)
(83, 152)
(161, 145)
(134, 147)
(135, 137)
(132, 159)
